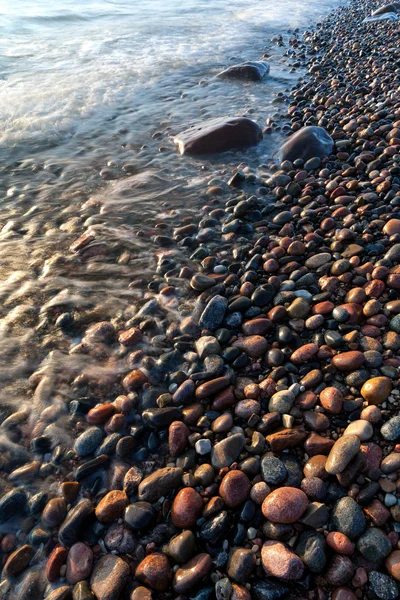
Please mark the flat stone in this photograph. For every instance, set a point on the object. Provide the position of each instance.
(318, 260)
(273, 470)
(109, 577)
(219, 135)
(304, 354)
(286, 438)
(281, 402)
(311, 549)
(343, 451)
(207, 345)
(253, 345)
(139, 515)
(212, 316)
(269, 590)
(225, 452)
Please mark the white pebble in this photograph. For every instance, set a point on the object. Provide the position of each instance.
(203, 447)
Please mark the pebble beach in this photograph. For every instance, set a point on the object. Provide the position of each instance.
(233, 431)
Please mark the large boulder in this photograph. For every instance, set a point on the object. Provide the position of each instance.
(388, 8)
(247, 71)
(219, 135)
(308, 142)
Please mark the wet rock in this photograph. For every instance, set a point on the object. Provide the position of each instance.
(186, 508)
(54, 563)
(392, 564)
(77, 519)
(54, 512)
(213, 315)
(79, 563)
(247, 71)
(18, 561)
(160, 483)
(218, 135)
(241, 565)
(192, 573)
(155, 571)
(111, 506)
(32, 587)
(109, 577)
(253, 345)
(281, 562)
(308, 142)
(348, 361)
(182, 547)
(139, 515)
(88, 441)
(13, 504)
(340, 571)
(340, 543)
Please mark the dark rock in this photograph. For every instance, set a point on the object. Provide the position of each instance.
(247, 71)
(219, 135)
(306, 143)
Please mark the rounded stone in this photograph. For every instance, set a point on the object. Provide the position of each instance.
(79, 563)
(362, 429)
(241, 565)
(273, 470)
(392, 562)
(234, 488)
(182, 547)
(111, 506)
(373, 544)
(155, 571)
(192, 573)
(340, 543)
(376, 390)
(285, 505)
(348, 518)
(139, 515)
(186, 508)
(348, 361)
(88, 441)
(54, 512)
(281, 562)
(342, 452)
(332, 400)
(391, 429)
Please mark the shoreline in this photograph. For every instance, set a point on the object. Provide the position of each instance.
(245, 444)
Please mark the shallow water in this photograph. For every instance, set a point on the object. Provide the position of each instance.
(91, 95)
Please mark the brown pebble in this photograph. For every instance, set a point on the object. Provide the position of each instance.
(234, 488)
(111, 506)
(186, 508)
